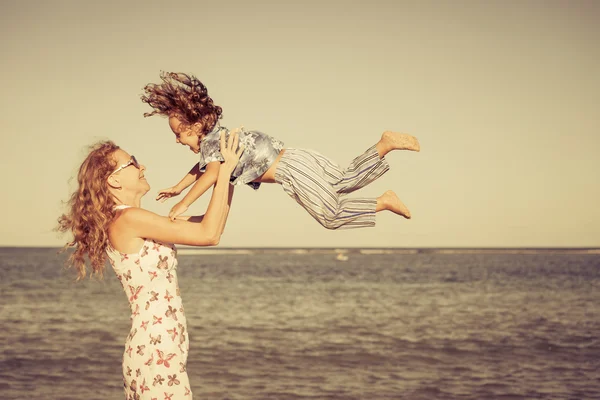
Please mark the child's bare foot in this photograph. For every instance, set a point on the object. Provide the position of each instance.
(390, 201)
(399, 141)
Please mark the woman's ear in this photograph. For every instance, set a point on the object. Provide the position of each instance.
(113, 182)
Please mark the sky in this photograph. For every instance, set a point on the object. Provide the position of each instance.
(504, 97)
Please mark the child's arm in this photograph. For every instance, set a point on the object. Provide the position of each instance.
(206, 180)
(187, 180)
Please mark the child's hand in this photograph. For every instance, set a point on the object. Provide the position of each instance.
(177, 210)
(167, 193)
(230, 151)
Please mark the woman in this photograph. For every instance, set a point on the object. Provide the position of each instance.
(107, 222)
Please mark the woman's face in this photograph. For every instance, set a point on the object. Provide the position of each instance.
(184, 134)
(129, 173)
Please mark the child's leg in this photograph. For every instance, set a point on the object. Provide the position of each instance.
(390, 201)
(303, 177)
(370, 165)
(363, 170)
(396, 141)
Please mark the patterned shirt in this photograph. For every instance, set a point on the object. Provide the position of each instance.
(260, 151)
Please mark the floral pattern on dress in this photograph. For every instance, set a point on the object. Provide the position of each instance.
(156, 348)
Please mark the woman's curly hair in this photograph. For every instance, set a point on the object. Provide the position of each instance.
(183, 96)
(90, 210)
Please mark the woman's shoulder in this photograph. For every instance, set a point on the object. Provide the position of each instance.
(121, 230)
(125, 215)
(127, 221)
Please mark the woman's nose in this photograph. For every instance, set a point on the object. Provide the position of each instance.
(142, 167)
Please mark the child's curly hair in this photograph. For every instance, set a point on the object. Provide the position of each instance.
(183, 96)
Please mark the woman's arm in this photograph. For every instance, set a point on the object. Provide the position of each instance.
(145, 224)
(199, 218)
(191, 218)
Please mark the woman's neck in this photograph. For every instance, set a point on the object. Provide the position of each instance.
(131, 200)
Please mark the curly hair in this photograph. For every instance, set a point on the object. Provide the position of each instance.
(183, 96)
(90, 210)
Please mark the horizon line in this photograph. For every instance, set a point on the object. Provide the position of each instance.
(350, 247)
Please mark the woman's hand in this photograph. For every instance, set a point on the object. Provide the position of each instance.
(230, 151)
(167, 194)
(177, 210)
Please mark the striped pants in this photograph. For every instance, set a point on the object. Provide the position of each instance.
(320, 186)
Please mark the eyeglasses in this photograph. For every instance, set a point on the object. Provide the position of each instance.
(132, 161)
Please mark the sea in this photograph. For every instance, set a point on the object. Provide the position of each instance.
(320, 324)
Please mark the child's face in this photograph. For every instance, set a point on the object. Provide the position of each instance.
(185, 135)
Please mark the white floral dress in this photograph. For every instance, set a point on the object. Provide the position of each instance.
(156, 349)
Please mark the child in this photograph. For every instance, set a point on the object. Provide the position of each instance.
(318, 184)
